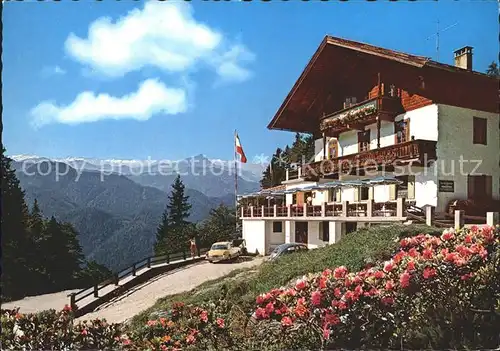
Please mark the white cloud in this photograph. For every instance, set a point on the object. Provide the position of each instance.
(164, 35)
(53, 70)
(152, 97)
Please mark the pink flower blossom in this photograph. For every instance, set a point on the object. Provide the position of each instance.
(410, 266)
(337, 293)
(404, 279)
(301, 284)
(429, 273)
(286, 321)
(389, 285)
(220, 322)
(379, 274)
(388, 266)
(340, 272)
(316, 298)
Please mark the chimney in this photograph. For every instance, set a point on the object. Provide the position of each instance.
(463, 58)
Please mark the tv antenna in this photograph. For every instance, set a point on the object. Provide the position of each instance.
(438, 32)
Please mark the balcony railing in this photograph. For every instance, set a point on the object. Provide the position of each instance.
(418, 151)
(363, 113)
(342, 210)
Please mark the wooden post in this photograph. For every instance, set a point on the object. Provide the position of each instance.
(72, 301)
(345, 207)
(198, 249)
(429, 215)
(459, 219)
(400, 206)
(275, 209)
(323, 209)
(324, 144)
(369, 208)
(492, 218)
(262, 211)
(378, 108)
(299, 172)
(304, 206)
(286, 174)
(251, 211)
(149, 262)
(96, 291)
(289, 211)
(184, 254)
(133, 270)
(242, 212)
(168, 258)
(117, 279)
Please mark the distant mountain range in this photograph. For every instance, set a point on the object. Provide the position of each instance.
(116, 205)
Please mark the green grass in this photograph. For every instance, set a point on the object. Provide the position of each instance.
(354, 251)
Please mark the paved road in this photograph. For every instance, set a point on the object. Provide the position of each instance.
(140, 297)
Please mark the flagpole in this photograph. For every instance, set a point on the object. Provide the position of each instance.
(235, 180)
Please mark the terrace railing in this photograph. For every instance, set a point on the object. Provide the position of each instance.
(367, 209)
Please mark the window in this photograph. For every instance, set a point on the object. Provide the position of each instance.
(479, 131)
(294, 198)
(402, 131)
(334, 195)
(277, 227)
(364, 141)
(479, 187)
(324, 231)
(332, 149)
(363, 193)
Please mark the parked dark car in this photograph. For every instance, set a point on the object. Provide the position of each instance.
(285, 249)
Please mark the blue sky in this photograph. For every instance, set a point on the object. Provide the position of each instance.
(170, 80)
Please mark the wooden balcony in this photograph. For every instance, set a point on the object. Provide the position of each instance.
(362, 211)
(362, 114)
(419, 152)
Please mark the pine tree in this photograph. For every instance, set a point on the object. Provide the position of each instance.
(493, 70)
(161, 234)
(36, 255)
(15, 240)
(174, 230)
(178, 207)
(219, 226)
(275, 172)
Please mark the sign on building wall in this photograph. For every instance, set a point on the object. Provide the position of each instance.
(446, 186)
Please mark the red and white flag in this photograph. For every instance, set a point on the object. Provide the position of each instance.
(239, 149)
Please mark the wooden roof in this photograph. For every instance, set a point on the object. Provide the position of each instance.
(341, 68)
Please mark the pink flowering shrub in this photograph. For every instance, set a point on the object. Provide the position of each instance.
(186, 327)
(51, 330)
(435, 292)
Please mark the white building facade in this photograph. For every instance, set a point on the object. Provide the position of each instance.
(370, 169)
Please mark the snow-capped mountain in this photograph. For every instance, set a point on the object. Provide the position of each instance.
(251, 172)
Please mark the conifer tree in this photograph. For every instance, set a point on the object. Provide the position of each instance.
(15, 241)
(174, 230)
(178, 207)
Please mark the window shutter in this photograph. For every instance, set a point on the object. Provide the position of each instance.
(370, 193)
(411, 187)
(339, 194)
(356, 194)
(489, 190)
(392, 192)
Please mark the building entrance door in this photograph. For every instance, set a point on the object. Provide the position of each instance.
(301, 232)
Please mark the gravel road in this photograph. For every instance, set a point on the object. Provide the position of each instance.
(140, 297)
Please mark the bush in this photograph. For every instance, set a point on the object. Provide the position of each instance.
(433, 293)
(187, 327)
(49, 330)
